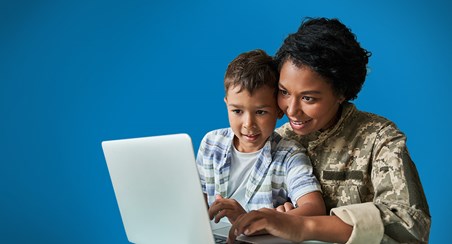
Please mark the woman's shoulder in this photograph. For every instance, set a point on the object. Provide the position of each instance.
(369, 123)
(284, 146)
(279, 141)
(286, 131)
(363, 118)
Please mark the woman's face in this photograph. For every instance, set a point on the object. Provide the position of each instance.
(307, 99)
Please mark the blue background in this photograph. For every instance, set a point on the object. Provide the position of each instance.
(74, 73)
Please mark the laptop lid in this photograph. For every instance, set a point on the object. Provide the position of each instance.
(157, 188)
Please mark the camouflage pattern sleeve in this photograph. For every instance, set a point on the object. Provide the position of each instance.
(398, 191)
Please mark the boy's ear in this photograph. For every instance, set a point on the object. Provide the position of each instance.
(225, 100)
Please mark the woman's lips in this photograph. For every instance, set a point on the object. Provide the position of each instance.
(299, 124)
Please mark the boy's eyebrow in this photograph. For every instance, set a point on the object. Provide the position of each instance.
(240, 106)
(234, 105)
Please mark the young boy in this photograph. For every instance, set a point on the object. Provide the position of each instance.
(249, 166)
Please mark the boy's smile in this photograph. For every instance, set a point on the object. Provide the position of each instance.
(251, 137)
(251, 117)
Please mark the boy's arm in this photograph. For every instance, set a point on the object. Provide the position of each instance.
(311, 204)
(303, 187)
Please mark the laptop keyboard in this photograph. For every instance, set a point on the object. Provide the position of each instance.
(223, 240)
(220, 239)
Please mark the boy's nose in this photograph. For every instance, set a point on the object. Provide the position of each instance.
(249, 126)
(248, 123)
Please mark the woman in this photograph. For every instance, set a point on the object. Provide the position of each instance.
(370, 185)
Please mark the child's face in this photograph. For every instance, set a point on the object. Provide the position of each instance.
(252, 118)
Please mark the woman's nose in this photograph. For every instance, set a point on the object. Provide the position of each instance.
(293, 107)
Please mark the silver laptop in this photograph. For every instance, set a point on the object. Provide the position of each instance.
(159, 194)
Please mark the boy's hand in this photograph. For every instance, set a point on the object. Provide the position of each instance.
(224, 207)
(286, 207)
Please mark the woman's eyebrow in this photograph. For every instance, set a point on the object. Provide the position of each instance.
(303, 92)
(310, 92)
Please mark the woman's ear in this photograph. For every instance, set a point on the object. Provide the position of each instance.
(280, 113)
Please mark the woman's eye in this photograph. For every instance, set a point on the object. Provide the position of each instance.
(261, 112)
(308, 99)
(283, 92)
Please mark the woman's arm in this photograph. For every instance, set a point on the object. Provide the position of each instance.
(398, 190)
(398, 211)
(291, 227)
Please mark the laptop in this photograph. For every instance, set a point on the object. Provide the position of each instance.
(158, 191)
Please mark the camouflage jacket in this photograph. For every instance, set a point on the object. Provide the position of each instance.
(363, 165)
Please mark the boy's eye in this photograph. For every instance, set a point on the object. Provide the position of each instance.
(236, 111)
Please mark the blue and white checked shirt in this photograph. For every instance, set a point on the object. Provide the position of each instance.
(281, 171)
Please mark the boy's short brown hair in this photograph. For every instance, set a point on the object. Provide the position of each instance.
(251, 71)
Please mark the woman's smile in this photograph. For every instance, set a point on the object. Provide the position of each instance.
(299, 124)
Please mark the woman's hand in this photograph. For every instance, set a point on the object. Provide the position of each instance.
(273, 222)
(291, 227)
(224, 207)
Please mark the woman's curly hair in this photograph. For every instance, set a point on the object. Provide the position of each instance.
(329, 48)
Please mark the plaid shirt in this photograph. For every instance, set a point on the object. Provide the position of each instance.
(281, 171)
